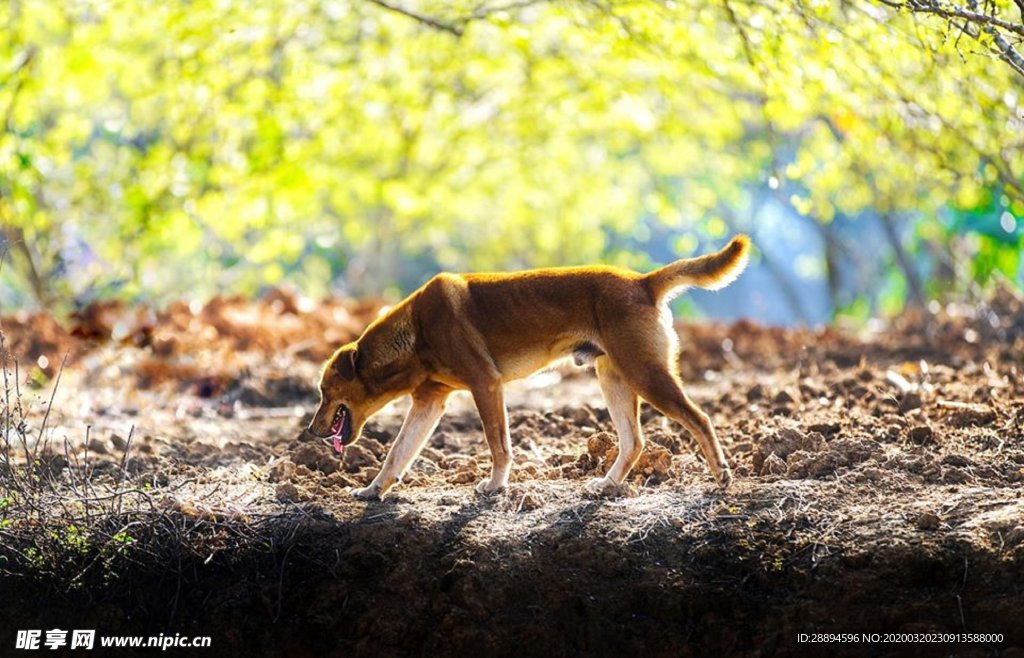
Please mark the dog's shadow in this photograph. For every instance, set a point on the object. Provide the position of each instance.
(573, 520)
(392, 510)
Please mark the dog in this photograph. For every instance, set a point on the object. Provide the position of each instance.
(476, 332)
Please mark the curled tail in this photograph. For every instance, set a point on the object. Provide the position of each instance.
(712, 271)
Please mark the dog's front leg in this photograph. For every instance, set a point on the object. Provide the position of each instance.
(427, 407)
(490, 403)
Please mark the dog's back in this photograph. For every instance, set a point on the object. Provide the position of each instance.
(570, 295)
(528, 319)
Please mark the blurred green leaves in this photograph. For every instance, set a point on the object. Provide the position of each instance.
(189, 148)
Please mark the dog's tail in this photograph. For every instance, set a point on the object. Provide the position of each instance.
(712, 271)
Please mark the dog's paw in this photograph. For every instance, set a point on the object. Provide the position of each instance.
(603, 487)
(724, 479)
(486, 487)
(367, 493)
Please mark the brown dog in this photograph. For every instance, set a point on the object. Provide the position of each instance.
(478, 331)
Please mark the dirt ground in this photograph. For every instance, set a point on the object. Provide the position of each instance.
(878, 490)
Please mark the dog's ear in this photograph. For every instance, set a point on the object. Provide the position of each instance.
(345, 363)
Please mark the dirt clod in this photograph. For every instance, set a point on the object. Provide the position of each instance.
(599, 446)
(119, 442)
(97, 446)
(826, 429)
(787, 396)
(282, 470)
(654, 464)
(785, 442)
(928, 521)
(968, 415)
(921, 435)
(958, 461)
(315, 456)
(355, 458)
(464, 477)
(528, 502)
(773, 465)
(287, 492)
(910, 401)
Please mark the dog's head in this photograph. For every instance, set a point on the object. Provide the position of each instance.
(345, 401)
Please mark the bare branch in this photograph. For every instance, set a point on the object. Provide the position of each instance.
(430, 21)
(456, 26)
(748, 50)
(483, 11)
(23, 62)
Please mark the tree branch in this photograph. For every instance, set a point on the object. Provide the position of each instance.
(436, 23)
(914, 285)
(24, 60)
(16, 241)
(972, 15)
(483, 11)
(457, 26)
(962, 17)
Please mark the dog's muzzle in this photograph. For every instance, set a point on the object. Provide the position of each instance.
(341, 429)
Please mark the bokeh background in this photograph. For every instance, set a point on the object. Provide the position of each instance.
(153, 152)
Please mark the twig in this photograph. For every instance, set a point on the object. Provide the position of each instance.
(124, 461)
(430, 21)
(49, 406)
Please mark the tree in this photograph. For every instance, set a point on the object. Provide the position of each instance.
(166, 150)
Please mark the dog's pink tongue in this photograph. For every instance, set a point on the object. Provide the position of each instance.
(338, 448)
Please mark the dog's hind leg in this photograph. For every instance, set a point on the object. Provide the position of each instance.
(490, 403)
(624, 408)
(662, 390)
(645, 352)
(427, 407)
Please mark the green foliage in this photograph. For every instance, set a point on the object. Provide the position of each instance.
(188, 148)
(996, 234)
(71, 539)
(5, 504)
(123, 541)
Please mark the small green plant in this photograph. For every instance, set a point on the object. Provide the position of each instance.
(124, 542)
(5, 504)
(72, 538)
(34, 557)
